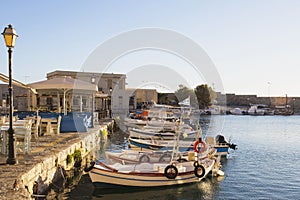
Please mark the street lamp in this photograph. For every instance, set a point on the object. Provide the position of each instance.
(10, 37)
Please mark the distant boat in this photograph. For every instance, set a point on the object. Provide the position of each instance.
(260, 109)
(283, 110)
(237, 111)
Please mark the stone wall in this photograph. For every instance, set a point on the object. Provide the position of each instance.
(44, 172)
(233, 100)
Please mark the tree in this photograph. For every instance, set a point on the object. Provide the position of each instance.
(213, 94)
(203, 96)
(183, 92)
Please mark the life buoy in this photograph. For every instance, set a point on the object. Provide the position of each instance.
(171, 172)
(87, 169)
(144, 158)
(199, 171)
(203, 147)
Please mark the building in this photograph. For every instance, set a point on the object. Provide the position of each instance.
(141, 98)
(21, 98)
(110, 97)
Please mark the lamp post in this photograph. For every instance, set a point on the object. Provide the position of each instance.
(110, 91)
(10, 37)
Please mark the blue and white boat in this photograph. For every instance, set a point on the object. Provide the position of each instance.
(220, 143)
(163, 145)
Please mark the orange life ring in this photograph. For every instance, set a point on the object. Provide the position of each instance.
(202, 148)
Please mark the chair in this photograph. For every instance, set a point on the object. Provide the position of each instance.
(43, 127)
(23, 137)
(56, 126)
(35, 127)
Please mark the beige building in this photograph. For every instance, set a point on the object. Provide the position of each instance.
(21, 98)
(141, 98)
(110, 97)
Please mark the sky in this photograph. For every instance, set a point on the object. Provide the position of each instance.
(254, 45)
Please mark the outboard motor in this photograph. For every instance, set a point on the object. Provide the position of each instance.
(233, 146)
(221, 140)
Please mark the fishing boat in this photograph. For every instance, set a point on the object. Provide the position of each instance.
(154, 174)
(150, 174)
(163, 145)
(220, 143)
(134, 123)
(148, 133)
(128, 156)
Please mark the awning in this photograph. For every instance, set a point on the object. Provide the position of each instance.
(65, 84)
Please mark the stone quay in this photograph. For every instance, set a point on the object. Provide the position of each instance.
(50, 157)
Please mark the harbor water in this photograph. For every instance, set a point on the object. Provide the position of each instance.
(265, 165)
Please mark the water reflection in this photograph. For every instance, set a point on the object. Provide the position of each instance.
(203, 190)
(264, 142)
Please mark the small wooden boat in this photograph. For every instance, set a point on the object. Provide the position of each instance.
(147, 133)
(134, 157)
(150, 174)
(163, 145)
(220, 144)
(154, 174)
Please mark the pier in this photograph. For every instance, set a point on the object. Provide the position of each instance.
(49, 159)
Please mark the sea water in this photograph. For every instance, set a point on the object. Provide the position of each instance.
(265, 165)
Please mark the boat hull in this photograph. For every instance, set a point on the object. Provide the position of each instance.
(160, 145)
(103, 177)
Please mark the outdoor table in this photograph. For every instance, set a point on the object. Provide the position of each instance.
(49, 129)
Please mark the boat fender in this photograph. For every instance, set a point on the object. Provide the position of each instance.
(199, 171)
(87, 169)
(144, 159)
(171, 172)
(203, 147)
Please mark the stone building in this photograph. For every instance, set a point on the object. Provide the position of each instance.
(21, 98)
(141, 98)
(110, 97)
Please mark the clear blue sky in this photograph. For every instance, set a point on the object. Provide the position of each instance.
(250, 42)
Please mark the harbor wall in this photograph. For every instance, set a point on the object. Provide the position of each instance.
(52, 169)
(234, 100)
